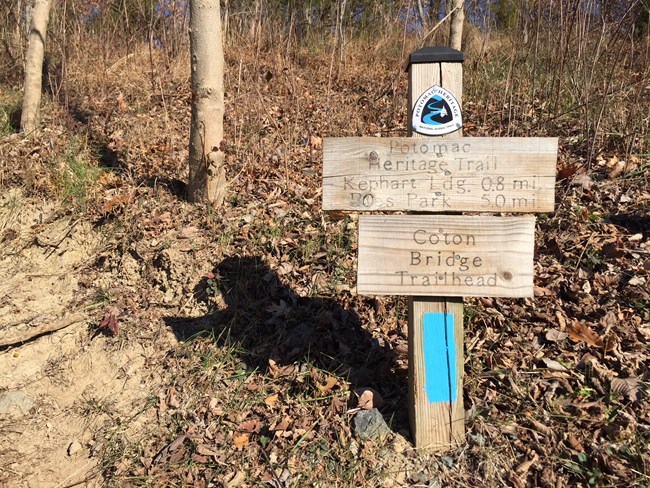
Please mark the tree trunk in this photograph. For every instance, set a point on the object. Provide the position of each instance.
(15, 38)
(207, 181)
(423, 18)
(33, 84)
(457, 19)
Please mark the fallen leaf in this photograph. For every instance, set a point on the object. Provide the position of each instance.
(187, 232)
(284, 268)
(171, 399)
(580, 332)
(281, 371)
(515, 481)
(316, 142)
(110, 321)
(177, 456)
(636, 280)
(280, 309)
(574, 443)
(114, 202)
(108, 179)
(628, 387)
(540, 291)
(646, 264)
(329, 384)
(205, 450)
(569, 171)
(176, 443)
(214, 407)
(338, 406)
(240, 440)
(583, 180)
(561, 320)
(198, 458)
(234, 479)
(616, 167)
(610, 342)
(121, 103)
(555, 335)
(271, 400)
(554, 365)
(249, 426)
(369, 398)
(282, 426)
(540, 427)
(525, 466)
(173, 448)
(335, 214)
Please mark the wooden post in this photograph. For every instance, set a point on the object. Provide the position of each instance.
(435, 325)
(445, 255)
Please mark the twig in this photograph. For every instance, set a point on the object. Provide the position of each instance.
(119, 62)
(55, 246)
(584, 249)
(24, 336)
(425, 37)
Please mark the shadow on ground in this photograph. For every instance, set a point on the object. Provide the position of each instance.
(269, 321)
(633, 222)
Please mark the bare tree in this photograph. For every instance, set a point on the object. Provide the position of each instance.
(33, 83)
(457, 19)
(207, 180)
(424, 18)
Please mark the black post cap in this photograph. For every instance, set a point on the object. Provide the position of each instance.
(436, 54)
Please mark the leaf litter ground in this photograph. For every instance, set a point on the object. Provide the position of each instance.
(247, 343)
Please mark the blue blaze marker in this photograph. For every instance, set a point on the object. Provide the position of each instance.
(439, 357)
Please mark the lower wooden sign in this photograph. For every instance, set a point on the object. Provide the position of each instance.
(446, 255)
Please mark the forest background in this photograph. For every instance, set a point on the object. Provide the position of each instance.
(228, 346)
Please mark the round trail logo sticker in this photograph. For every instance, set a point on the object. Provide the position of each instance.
(436, 112)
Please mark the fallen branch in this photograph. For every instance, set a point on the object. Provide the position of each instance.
(26, 335)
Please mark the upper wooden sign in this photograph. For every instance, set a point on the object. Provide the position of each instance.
(446, 255)
(475, 174)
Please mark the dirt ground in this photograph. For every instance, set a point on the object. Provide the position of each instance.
(63, 393)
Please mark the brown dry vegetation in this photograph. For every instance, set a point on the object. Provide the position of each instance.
(240, 338)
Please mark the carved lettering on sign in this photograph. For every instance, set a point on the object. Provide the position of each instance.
(445, 255)
(468, 174)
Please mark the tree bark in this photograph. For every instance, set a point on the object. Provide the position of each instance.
(207, 180)
(33, 83)
(457, 19)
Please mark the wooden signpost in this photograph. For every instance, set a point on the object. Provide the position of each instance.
(437, 259)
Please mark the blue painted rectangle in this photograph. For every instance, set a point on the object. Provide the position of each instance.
(439, 357)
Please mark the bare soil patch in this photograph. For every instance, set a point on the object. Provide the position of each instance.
(64, 392)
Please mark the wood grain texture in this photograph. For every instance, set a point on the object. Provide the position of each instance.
(515, 175)
(445, 255)
(423, 76)
(436, 426)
